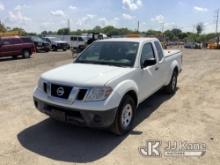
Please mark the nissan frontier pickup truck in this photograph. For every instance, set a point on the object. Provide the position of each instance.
(105, 84)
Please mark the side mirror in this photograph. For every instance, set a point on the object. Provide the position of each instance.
(148, 62)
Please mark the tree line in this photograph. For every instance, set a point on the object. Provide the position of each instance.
(169, 35)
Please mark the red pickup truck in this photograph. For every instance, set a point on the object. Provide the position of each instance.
(16, 46)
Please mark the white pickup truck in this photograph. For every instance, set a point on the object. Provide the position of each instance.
(107, 82)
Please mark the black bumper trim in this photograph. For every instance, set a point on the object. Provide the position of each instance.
(89, 118)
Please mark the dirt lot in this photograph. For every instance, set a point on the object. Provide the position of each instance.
(29, 137)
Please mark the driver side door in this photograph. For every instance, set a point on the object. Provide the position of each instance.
(148, 75)
(7, 48)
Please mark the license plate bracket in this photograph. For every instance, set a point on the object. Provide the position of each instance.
(58, 115)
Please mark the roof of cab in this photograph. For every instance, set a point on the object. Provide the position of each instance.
(141, 39)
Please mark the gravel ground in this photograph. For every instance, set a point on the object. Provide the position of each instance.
(192, 114)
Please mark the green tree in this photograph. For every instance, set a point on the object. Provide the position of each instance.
(19, 30)
(97, 29)
(63, 31)
(152, 33)
(169, 35)
(177, 32)
(2, 27)
(199, 28)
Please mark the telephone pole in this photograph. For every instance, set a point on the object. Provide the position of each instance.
(162, 27)
(216, 30)
(68, 24)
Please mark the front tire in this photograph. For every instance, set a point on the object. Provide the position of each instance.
(171, 87)
(125, 116)
(26, 54)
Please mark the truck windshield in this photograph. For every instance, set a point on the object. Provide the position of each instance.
(54, 39)
(110, 53)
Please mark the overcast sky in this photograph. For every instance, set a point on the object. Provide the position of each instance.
(39, 15)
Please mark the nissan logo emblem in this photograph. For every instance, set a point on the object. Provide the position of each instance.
(60, 91)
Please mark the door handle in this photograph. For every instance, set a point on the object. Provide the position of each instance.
(156, 68)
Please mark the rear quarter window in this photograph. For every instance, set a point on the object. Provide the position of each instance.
(159, 50)
(6, 41)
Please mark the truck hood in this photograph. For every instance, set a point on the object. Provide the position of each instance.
(60, 42)
(84, 74)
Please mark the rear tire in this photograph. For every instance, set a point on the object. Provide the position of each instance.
(171, 87)
(26, 54)
(125, 116)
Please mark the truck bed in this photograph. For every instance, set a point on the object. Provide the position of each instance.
(171, 52)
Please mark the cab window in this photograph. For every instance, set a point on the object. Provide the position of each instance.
(147, 52)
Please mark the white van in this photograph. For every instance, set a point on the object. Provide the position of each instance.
(77, 42)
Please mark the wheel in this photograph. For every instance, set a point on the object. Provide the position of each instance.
(64, 49)
(15, 57)
(54, 48)
(125, 116)
(26, 54)
(171, 87)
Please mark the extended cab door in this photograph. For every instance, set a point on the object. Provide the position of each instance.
(163, 67)
(148, 75)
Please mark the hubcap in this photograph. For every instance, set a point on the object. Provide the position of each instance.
(26, 53)
(126, 116)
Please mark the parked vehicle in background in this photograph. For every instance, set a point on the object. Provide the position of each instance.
(107, 82)
(16, 46)
(86, 40)
(77, 42)
(40, 44)
(95, 36)
(190, 45)
(213, 46)
(193, 45)
(56, 43)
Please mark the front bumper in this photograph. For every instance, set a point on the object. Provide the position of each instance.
(62, 46)
(43, 48)
(89, 118)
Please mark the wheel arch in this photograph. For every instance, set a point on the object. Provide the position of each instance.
(173, 67)
(133, 94)
(128, 87)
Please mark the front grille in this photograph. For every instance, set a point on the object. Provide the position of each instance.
(81, 94)
(46, 44)
(45, 87)
(60, 91)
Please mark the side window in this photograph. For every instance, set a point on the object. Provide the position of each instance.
(159, 50)
(15, 41)
(48, 40)
(147, 52)
(6, 42)
(80, 39)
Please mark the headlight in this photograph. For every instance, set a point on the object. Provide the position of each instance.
(98, 93)
(40, 84)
